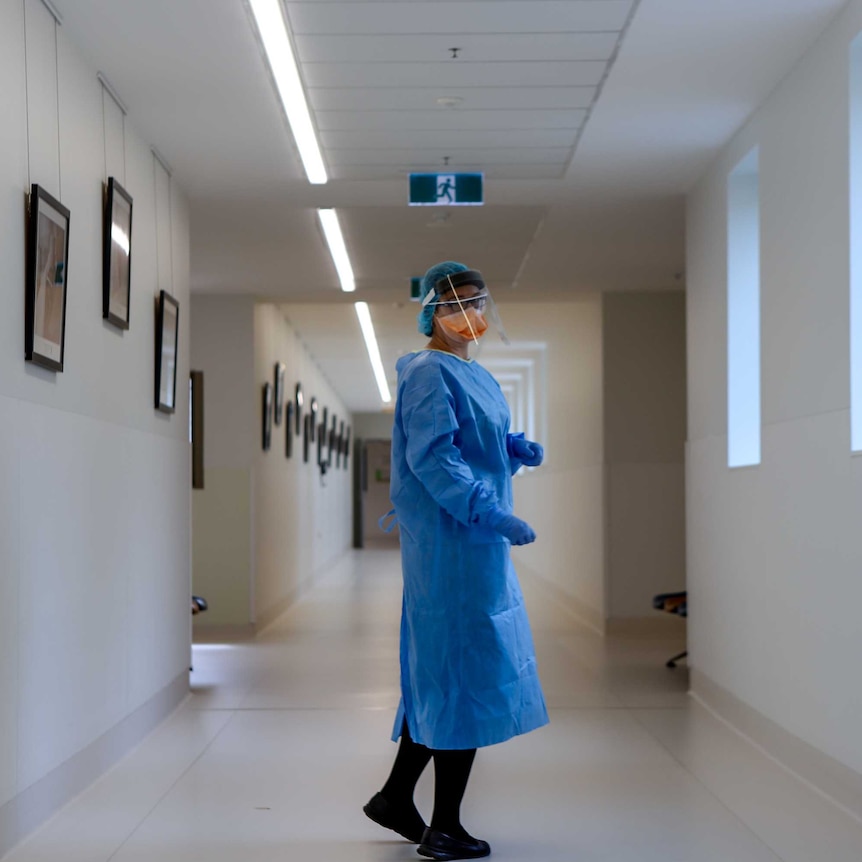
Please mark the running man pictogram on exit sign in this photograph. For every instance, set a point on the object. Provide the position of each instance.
(446, 190)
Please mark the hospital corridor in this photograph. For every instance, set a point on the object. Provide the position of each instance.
(430, 429)
(285, 737)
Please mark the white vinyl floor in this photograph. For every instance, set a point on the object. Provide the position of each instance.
(285, 738)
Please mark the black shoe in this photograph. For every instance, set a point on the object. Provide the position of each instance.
(439, 845)
(408, 824)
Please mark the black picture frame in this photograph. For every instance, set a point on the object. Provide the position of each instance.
(288, 429)
(298, 400)
(321, 435)
(46, 281)
(306, 437)
(167, 344)
(331, 446)
(314, 408)
(346, 447)
(278, 405)
(117, 255)
(196, 427)
(266, 424)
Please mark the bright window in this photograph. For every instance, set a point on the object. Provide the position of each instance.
(743, 313)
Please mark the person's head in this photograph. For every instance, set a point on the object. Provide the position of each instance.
(453, 299)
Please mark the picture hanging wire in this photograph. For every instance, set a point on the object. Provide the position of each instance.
(52, 9)
(112, 93)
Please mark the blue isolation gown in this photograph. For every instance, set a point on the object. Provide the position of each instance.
(468, 666)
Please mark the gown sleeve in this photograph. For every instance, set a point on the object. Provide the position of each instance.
(429, 421)
(514, 461)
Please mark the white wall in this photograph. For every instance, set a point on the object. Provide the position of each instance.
(302, 520)
(644, 426)
(373, 426)
(376, 502)
(94, 483)
(774, 551)
(264, 523)
(222, 338)
(564, 499)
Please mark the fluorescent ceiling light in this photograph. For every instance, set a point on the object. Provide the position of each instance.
(364, 316)
(337, 248)
(279, 53)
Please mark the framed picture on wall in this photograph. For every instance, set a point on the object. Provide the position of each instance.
(267, 416)
(306, 436)
(196, 427)
(298, 400)
(321, 434)
(117, 255)
(279, 391)
(288, 429)
(313, 408)
(46, 280)
(167, 342)
(346, 446)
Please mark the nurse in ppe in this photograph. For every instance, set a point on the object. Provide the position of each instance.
(468, 668)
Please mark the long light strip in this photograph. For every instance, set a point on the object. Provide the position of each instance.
(279, 53)
(337, 249)
(364, 316)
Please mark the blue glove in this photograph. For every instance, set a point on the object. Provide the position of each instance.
(528, 452)
(518, 532)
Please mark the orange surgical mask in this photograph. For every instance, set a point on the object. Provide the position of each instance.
(461, 323)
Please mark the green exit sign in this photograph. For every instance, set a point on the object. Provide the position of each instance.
(446, 190)
(416, 289)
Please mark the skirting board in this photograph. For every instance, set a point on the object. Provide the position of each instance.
(659, 625)
(827, 776)
(25, 812)
(202, 633)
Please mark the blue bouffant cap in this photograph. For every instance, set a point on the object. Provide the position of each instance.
(429, 281)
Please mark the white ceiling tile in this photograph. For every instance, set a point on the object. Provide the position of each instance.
(423, 159)
(448, 119)
(492, 172)
(470, 16)
(475, 98)
(446, 139)
(473, 47)
(453, 74)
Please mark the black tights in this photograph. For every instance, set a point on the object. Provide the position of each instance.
(451, 773)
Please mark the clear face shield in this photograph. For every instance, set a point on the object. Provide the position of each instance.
(464, 306)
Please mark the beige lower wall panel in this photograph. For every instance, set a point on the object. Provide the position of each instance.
(159, 578)
(565, 509)
(646, 535)
(774, 587)
(104, 580)
(221, 537)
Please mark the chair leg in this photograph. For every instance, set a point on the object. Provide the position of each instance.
(675, 659)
